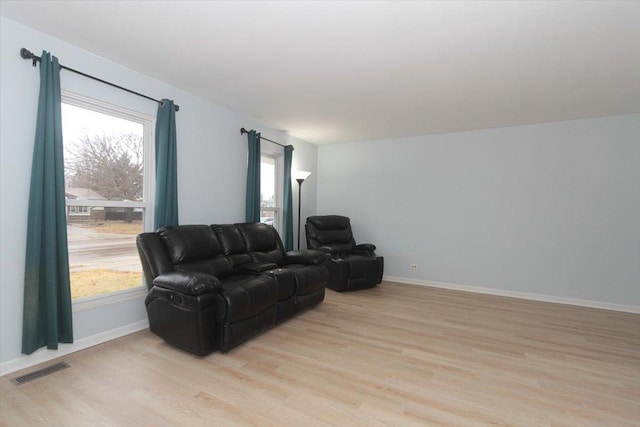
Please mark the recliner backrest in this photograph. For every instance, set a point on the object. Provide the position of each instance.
(330, 230)
(154, 256)
(263, 242)
(233, 244)
(196, 248)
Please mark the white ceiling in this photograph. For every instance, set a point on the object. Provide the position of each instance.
(351, 71)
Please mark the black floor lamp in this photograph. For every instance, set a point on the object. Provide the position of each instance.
(300, 176)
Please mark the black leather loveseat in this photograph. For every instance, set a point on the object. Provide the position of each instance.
(214, 287)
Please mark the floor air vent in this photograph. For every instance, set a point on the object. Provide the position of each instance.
(40, 373)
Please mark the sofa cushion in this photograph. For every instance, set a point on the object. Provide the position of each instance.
(256, 267)
(232, 243)
(218, 266)
(187, 243)
(263, 242)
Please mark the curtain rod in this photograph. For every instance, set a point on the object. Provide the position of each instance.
(27, 54)
(243, 131)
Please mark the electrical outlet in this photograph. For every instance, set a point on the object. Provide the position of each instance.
(413, 266)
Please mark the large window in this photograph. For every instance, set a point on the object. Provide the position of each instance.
(108, 186)
(271, 178)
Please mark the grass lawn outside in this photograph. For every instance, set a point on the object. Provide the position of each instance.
(88, 283)
(103, 257)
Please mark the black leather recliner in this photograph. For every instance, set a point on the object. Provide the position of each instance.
(214, 287)
(351, 266)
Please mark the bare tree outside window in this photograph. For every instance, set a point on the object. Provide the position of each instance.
(111, 165)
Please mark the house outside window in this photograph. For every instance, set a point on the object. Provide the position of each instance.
(108, 188)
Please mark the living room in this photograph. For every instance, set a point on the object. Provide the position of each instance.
(503, 193)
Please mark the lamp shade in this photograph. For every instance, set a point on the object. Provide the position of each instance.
(301, 175)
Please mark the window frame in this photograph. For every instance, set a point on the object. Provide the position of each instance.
(148, 122)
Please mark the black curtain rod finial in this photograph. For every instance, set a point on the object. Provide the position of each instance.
(27, 54)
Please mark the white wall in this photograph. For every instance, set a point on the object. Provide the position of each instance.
(550, 209)
(211, 167)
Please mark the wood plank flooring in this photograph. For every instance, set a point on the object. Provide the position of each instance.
(395, 355)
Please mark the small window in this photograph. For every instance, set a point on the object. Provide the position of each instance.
(78, 210)
(108, 194)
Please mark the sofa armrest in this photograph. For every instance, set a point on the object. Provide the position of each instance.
(309, 256)
(188, 282)
(365, 248)
(257, 267)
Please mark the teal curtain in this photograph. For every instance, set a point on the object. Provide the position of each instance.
(166, 201)
(47, 318)
(287, 208)
(252, 209)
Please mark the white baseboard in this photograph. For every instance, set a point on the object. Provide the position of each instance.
(516, 294)
(44, 355)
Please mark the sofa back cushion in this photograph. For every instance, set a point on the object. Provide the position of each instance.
(262, 241)
(330, 230)
(232, 242)
(195, 248)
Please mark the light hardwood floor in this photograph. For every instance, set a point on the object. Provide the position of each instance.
(395, 355)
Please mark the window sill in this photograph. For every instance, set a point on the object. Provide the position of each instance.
(107, 299)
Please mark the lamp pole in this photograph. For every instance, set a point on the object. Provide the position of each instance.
(300, 177)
